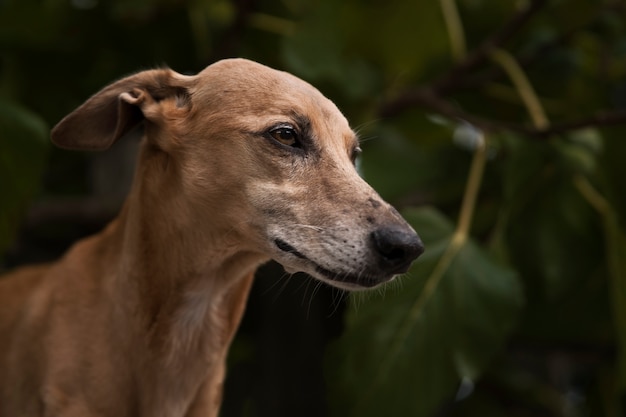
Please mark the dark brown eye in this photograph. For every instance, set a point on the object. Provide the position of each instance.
(286, 135)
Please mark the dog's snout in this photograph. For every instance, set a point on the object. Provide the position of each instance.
(397, 247)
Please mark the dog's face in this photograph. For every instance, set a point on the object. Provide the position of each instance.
(291, 160)
(274, 152)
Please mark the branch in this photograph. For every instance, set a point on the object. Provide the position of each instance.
(528, 58)
(427, 99)
(603, 118)
(525, 60)
(449, 81)
(430, 98)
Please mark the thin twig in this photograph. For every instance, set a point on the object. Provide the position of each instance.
(457, 242)
(431, 98)
(525, 60)
(523, 86)
(459, 72)
(472, 188)
(455, 30)
(479, 55)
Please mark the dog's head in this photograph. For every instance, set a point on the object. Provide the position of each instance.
(266, 154)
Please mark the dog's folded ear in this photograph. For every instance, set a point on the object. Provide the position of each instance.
(115, 110)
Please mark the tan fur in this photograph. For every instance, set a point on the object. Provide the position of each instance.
(137, 320)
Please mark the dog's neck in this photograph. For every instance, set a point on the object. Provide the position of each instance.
(171, 246)
(187, 278)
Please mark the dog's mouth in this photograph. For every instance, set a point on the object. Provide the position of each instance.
(340, 279)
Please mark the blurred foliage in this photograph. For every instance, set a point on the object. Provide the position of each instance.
(527, 316)
(22, 155)
(411, 351)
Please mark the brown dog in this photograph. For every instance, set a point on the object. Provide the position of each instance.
(239, 164)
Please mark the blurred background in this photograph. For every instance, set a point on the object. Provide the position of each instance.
(497, 127)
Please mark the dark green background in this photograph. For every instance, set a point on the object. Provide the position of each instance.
(529, 318)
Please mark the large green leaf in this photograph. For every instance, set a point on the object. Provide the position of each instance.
(406, 350)
(317, 52)
(414, 165)
(335, 41)
(615, 241)
(542, 213)
(23, 143)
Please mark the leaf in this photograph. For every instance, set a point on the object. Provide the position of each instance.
(405, 352)
(612, 166)
(384, 42)
(23, 142)
(316, 52)
(335, 41)
(416, 165)
(615, 241)
(580, 152)
(542, 212)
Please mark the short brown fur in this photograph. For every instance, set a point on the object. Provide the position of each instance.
(137, 320)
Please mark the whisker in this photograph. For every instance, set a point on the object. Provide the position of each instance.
(359, 128)
(304, 283)
(338, 296)
(357, 299)
(285, 279)
(368, 138)
(309, 226)
(316, 289)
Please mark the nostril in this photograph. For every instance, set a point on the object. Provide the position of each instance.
(395, 253)
(398, 246)
(389, 248)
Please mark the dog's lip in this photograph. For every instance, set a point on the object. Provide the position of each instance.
(286, 247)
(366, 281)
(360, 280)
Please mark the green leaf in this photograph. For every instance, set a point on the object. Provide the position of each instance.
(23, 142)
(422, 164)
(316, 52)
(615, 240)
(581, 150)
(335, 42)
(611, 165)
(542, 212)
(405, 351)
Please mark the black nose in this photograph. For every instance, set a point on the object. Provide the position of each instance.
(397, 246)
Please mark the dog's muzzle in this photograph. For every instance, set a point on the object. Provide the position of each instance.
(392, 249)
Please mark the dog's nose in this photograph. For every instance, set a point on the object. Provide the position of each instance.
(397, 247)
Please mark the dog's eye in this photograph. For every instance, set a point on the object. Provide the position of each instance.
(355, 154)
(286, 135)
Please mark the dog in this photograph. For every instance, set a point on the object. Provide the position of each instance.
(238, 165)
